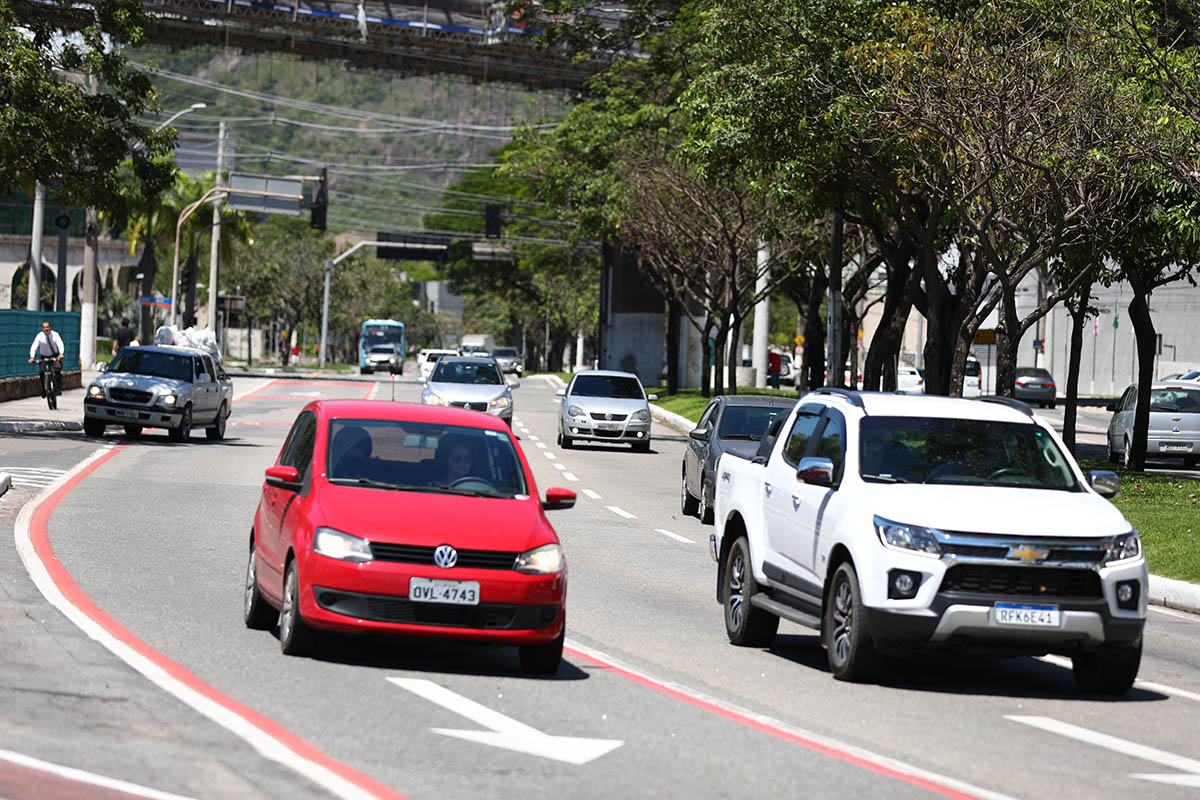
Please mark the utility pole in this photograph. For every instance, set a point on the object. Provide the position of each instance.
(87, 323)
(34, 301)
(762, 316)
(216, 229)
(833, 360)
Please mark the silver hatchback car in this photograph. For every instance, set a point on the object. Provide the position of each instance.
(605, 406)
(1174, 430)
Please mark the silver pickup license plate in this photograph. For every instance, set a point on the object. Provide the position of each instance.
(1029, 616)
(124, 413)
(428, 590)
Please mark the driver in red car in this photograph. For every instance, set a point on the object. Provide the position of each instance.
(454, 459)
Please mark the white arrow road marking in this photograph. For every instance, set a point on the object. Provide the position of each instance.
(1189, 766)
(506, 732)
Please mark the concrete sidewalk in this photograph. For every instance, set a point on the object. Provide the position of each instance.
(32, 415)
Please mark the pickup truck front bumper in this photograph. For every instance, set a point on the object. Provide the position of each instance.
(146, 416)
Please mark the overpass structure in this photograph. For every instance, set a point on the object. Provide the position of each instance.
(472, 38)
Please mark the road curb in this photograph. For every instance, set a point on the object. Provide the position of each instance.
(38, 426)
(1175, 594)
(676, 421)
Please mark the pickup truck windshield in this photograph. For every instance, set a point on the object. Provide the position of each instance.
(962, 451)
(151, 362)
(607, 386)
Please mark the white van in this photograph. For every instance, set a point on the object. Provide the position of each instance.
(973, 378)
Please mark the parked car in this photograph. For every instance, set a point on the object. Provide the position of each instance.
(894, 523)
(732, 424)
(475, 383)
(909, 380)
(787, 375)
(972, 378)
(427, 359)
(383, 357)
(474, 558)
(160, 386)
(605, 406)
(1035, 385)
(509, 360)
(1174, 429)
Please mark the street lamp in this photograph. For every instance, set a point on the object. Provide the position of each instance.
(178, 114)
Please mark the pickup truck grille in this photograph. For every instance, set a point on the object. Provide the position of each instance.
(129, 395)
(469, 559)
(1026, 581)
(990, 547)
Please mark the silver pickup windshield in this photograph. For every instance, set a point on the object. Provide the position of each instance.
(151, 362)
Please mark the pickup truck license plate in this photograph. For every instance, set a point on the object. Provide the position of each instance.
(1027, 615)
(125, 413)
(1174, 447)
(426, 590)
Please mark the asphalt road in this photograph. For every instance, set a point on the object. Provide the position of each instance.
(156, 536)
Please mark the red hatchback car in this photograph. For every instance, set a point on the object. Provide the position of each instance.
(407, 519)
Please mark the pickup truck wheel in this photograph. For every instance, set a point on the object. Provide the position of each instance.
(184, 431)
(852, 655)
(93, 428)
(216, 431)
(1110, 670)
(133, 431)
(745, 625)
(687, 501)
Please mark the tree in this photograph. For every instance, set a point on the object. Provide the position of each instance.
(53, 129)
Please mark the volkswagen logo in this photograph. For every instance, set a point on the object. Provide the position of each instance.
(445, 556)
(608, 417)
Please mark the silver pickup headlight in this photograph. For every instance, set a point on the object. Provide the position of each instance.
(168, 399)
(95, 391)
(912, 538)
(1125, 547)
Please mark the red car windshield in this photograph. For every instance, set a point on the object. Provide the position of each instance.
(423, 456)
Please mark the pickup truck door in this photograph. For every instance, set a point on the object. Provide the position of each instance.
(202, 392)
(779, 485)
(810, 500)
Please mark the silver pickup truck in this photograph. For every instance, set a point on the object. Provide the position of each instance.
(160, 387)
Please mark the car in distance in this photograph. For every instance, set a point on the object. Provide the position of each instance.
(895, 523)
(382, 357)
(509, 360)
(475, 383)
(732, 424)
(604, 406)
(972, 378)
(909, 380)
(407, 520)
(427, 359)
(1035, 385)
(160, 386)
(1174, 428)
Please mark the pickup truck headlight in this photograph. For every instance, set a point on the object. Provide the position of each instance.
(434, 400)
(342, 546)
(912, 538)
(95, 391)
(503, 401)
(168, 399)
(575, 411)
(543, 560)
(1124, 547)
(641, 415)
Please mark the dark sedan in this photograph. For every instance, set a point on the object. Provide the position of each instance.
(1035, 385)
(731, 424)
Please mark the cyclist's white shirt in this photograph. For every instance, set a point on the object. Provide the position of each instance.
(42, 345)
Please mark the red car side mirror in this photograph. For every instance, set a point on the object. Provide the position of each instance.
(558, 498)
(283, 477)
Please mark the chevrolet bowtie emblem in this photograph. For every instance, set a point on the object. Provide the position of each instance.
(1028, 554)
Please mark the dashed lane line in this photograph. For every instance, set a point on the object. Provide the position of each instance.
(559, 466)
(674, 536)
(550, 455)
(540, 445)
(591, 494)
(620, 512)
(532, 438)
(570, 476)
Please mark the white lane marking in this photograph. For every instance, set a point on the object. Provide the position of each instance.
(570, 476)
(776, 727)
(559, 465)
(1065, 663)
(375, 389)
(550, 455)
(1124, 747)
(265, 743)
(506, 732)
(620, 512)
(540, 445)
(674, 536)
(32, 476)
(532, 438)
(80, 776)
(591, 494)
(1170, 612)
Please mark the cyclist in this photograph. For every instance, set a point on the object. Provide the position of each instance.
(47, 349)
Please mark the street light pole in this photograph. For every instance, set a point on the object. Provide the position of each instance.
(215, 253)
(178, 114)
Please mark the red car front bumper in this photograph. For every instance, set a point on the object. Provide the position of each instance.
(513, 608)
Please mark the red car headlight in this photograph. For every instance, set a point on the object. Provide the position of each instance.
(544, 560)
(342, 546)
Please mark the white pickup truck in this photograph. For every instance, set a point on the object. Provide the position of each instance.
(891, 522)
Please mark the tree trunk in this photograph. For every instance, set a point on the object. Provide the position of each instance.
(1008, 340)
(719, 357)
(814, 337)
(148, 266)
(674, 317)
(706, 365)
(835, 310)
(1143, 328)
(735, 330)
(1077, 307)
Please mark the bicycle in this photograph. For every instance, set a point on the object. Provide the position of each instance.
(48, 368)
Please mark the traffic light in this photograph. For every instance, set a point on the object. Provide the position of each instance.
(320, 202)
(491, 222)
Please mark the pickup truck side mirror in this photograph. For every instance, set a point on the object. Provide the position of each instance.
(422, 379)
(561, 392)
(650, 398)
(1111, 407)
(817, 471)
(1105, 482)
(699, 434)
